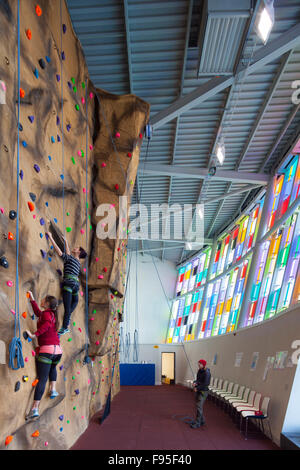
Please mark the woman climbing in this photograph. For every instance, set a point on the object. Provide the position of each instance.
(48, 352)
(72, 269)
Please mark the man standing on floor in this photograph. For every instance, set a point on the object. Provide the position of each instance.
(201, 388)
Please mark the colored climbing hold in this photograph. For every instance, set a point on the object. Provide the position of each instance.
(77, 107)
(22, 93)
(35, 382)
(58, 77)
(25, 378)
(43, 253)
(31, 119)
(73, 80)
(42, 63)
(82, 231)
(30, 206)
(28, 34)
(61, 417)
(117, 135)
(75, 89)
(9, 283)
(70, 85)
(10, 236)
(32, 196)
(48, 59)
(64, 28)
(116, 187)
(73, 160)
(83, 85)
(100, 276)
(103, 165)
(46, 443)
(38, 10)
(58, 138)
(105, 270)
(37, 168)
(91, 147)
(97, 343)
(21, 174)
(42, 222)
(35, 433)
(129, 154)
(91, 96)
(52, 139)
(82, 100)
(24, 143)
(140, 135)
(57, 121)
(77, 391)
(68, 127)
(24, 314)
(36, 73)
(3, 262)
(68, 229)
(17, 386)
(8, 440)
(63, 57)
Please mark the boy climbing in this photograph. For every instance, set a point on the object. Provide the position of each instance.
(48, 352)
(72, 269)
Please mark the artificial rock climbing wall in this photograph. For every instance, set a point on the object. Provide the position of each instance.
(78, 149)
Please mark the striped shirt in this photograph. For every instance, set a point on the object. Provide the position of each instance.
(71, 265)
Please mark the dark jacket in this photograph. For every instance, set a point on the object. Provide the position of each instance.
(203, 380)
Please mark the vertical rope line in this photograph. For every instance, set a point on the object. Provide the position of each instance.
(17, 317)
(62, 123)
(86, 222)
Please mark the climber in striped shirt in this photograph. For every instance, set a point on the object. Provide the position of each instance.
(72, 268)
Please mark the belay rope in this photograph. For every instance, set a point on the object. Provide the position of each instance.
(15, 347)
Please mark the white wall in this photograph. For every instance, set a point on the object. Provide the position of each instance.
(151, 318)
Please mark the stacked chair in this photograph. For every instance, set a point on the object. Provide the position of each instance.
(241, 402)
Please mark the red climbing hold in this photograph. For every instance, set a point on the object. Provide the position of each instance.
(30, 206)
(105, 270)
(116, 187)
(22, 93)
(35, 433)
(141, 136)
(10, 236)
(129, 154)
(8, 440)
(38, 10)
(28, 33)
(117, 135)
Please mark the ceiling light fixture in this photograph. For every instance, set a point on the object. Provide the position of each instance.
(265, 20)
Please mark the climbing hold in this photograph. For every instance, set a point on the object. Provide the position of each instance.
(73, 80)
(68, 229)
(140, 135)
(96, 259)
(9, 283)
(97, 343)
(31, 119)
(117, 135)
(73, 160)
(8, 440)
(25, 378)
(58, 138)
(42, 63)
(91, 96)
(42, 222)
(35, 433)
(57, 121)
(70, 85)
(92, 319)
(62, 177)
(77, 391)
(103, 165)
(2, 210)
(64, 28)
(82, 231)
(82, 100)
(75, 89)
(83, 85)
(52, 139)
(24, 143)
(32, 196)
(46, 204)
(33, 353)
(68, 127)
(98, 332)
(116, 187)
(30, 206)
(22, 93)
(129, 154)
(46, 443)
(38, 10)
(21, 174)
(100, 276)
(24, 314)
(77, 107)
(43, 253)
(37, 168)
(61, 417)
(35, 382)
(91, 147)
(10, 236)
(68, 213)
(20, 127)
(59, 272)
(17, 386)
(105, 270)
(70, 339)
(63, 57)
(3, 262)
(28, 34)
(58, 77)
(48, 59)
(36, 73)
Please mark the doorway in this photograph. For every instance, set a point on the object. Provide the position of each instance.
(168, 367)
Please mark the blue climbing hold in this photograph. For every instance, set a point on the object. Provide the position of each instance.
(58, 138)
(36, 73)
(55, 220)
(48, 59)
(61, 417)
(43, 253)
(47, 204)
(62, 177)
(52, 139)
(64, 28)
(59, 272)
(37, 168)
(77, 391)
(21, 174)
(42, 222)
(31, 119)
(49, 158)
(68, 127)
(41, 235)
(57, 120)
(70, 85)
(63, 55)
(24, 143)
(57, 77)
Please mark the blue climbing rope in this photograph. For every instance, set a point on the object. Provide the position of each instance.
(15, 347)
(86, 359)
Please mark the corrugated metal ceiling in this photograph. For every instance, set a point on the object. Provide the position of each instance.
(161, 63)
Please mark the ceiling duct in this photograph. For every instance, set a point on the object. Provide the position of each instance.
(222, 30)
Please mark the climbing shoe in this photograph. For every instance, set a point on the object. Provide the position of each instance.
(63, 331)
(33, 414)
(53, 394)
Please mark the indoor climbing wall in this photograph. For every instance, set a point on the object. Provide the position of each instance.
(75, 149)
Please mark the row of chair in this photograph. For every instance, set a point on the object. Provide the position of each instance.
(240, 401)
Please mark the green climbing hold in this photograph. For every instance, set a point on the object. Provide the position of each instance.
(74, 407)
(74, 89)
(68, 213)
(70, 339)
(77, 107)
(74, 324)
(73, 80)
(73, 377)
(83, 85)
(68, 229)
(73, 160)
